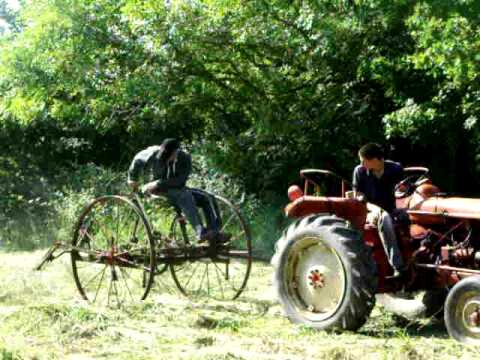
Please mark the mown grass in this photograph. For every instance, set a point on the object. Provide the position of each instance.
(43, 317)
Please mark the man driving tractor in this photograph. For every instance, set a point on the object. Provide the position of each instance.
(374, 180)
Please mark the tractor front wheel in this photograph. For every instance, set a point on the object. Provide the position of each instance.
(324, 274)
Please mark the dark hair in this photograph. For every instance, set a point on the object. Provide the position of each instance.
(371, 151)
(169, 146)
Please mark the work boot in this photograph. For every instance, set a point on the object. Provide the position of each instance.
(214, 237)
(223, 238)
(206, 236)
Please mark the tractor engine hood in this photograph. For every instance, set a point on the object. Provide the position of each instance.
(456, 207)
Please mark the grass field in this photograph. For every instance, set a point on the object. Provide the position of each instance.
(43, 317)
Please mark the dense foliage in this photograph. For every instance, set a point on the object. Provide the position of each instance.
(263, 87)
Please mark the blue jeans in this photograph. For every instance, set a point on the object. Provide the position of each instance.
(386, 230)
(187, 200)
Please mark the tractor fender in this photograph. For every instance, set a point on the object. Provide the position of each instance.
(352, 210)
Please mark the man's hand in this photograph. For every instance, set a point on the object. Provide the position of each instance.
(358, 195)
(133, 185)
(150, 188)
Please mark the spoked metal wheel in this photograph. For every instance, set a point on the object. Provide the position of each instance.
(113, 252)
(159, 215)
(219, 269)
(315, 278)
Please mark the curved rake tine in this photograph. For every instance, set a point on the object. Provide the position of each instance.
(116, 292)
(100, 283)
(201, 281)
(191, 276)
(124, 277)
(226, 278)
(219, 281)
(228, 221)
(93, 278)
(208, 282)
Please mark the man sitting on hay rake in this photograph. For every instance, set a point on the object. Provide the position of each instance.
(171, 168)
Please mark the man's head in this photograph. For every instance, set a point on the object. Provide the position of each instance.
(372, 156)
(170, 147)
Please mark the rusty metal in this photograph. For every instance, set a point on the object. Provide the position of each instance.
(164, 254)
(474, 318)
(350, 209)
(449, 268)
(317, 279)
(450, 231)
(463, 253)
(438, 237)
(453, 207)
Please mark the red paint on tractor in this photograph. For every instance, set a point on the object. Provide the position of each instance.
(352, 210)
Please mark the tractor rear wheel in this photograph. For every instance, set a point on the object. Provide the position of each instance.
(462, 311)
(324, 274)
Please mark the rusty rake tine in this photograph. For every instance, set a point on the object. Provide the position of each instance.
(89, 281)
(191, 276)
(124, 277)
(219, 281)
(125, 222)
(225, 273)
(100, 283)
(208, 281)
(203, 277)
(108, 294)
(118, 220)
(228, 221)
(116, 290)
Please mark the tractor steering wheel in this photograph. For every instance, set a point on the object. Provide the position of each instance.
(407, 186)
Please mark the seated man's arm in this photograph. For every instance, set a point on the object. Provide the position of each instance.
(357, 185)
(138, 165)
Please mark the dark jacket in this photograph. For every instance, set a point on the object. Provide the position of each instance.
(173, 174)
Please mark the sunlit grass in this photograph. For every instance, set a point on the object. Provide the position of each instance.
(43, 317)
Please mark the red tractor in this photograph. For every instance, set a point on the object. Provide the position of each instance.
(330, 263)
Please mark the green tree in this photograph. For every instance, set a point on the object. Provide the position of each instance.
(443, 117)
(265, 87)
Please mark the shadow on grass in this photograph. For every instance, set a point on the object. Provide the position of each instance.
(243, 306)
(425, 328)
(433, 329)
